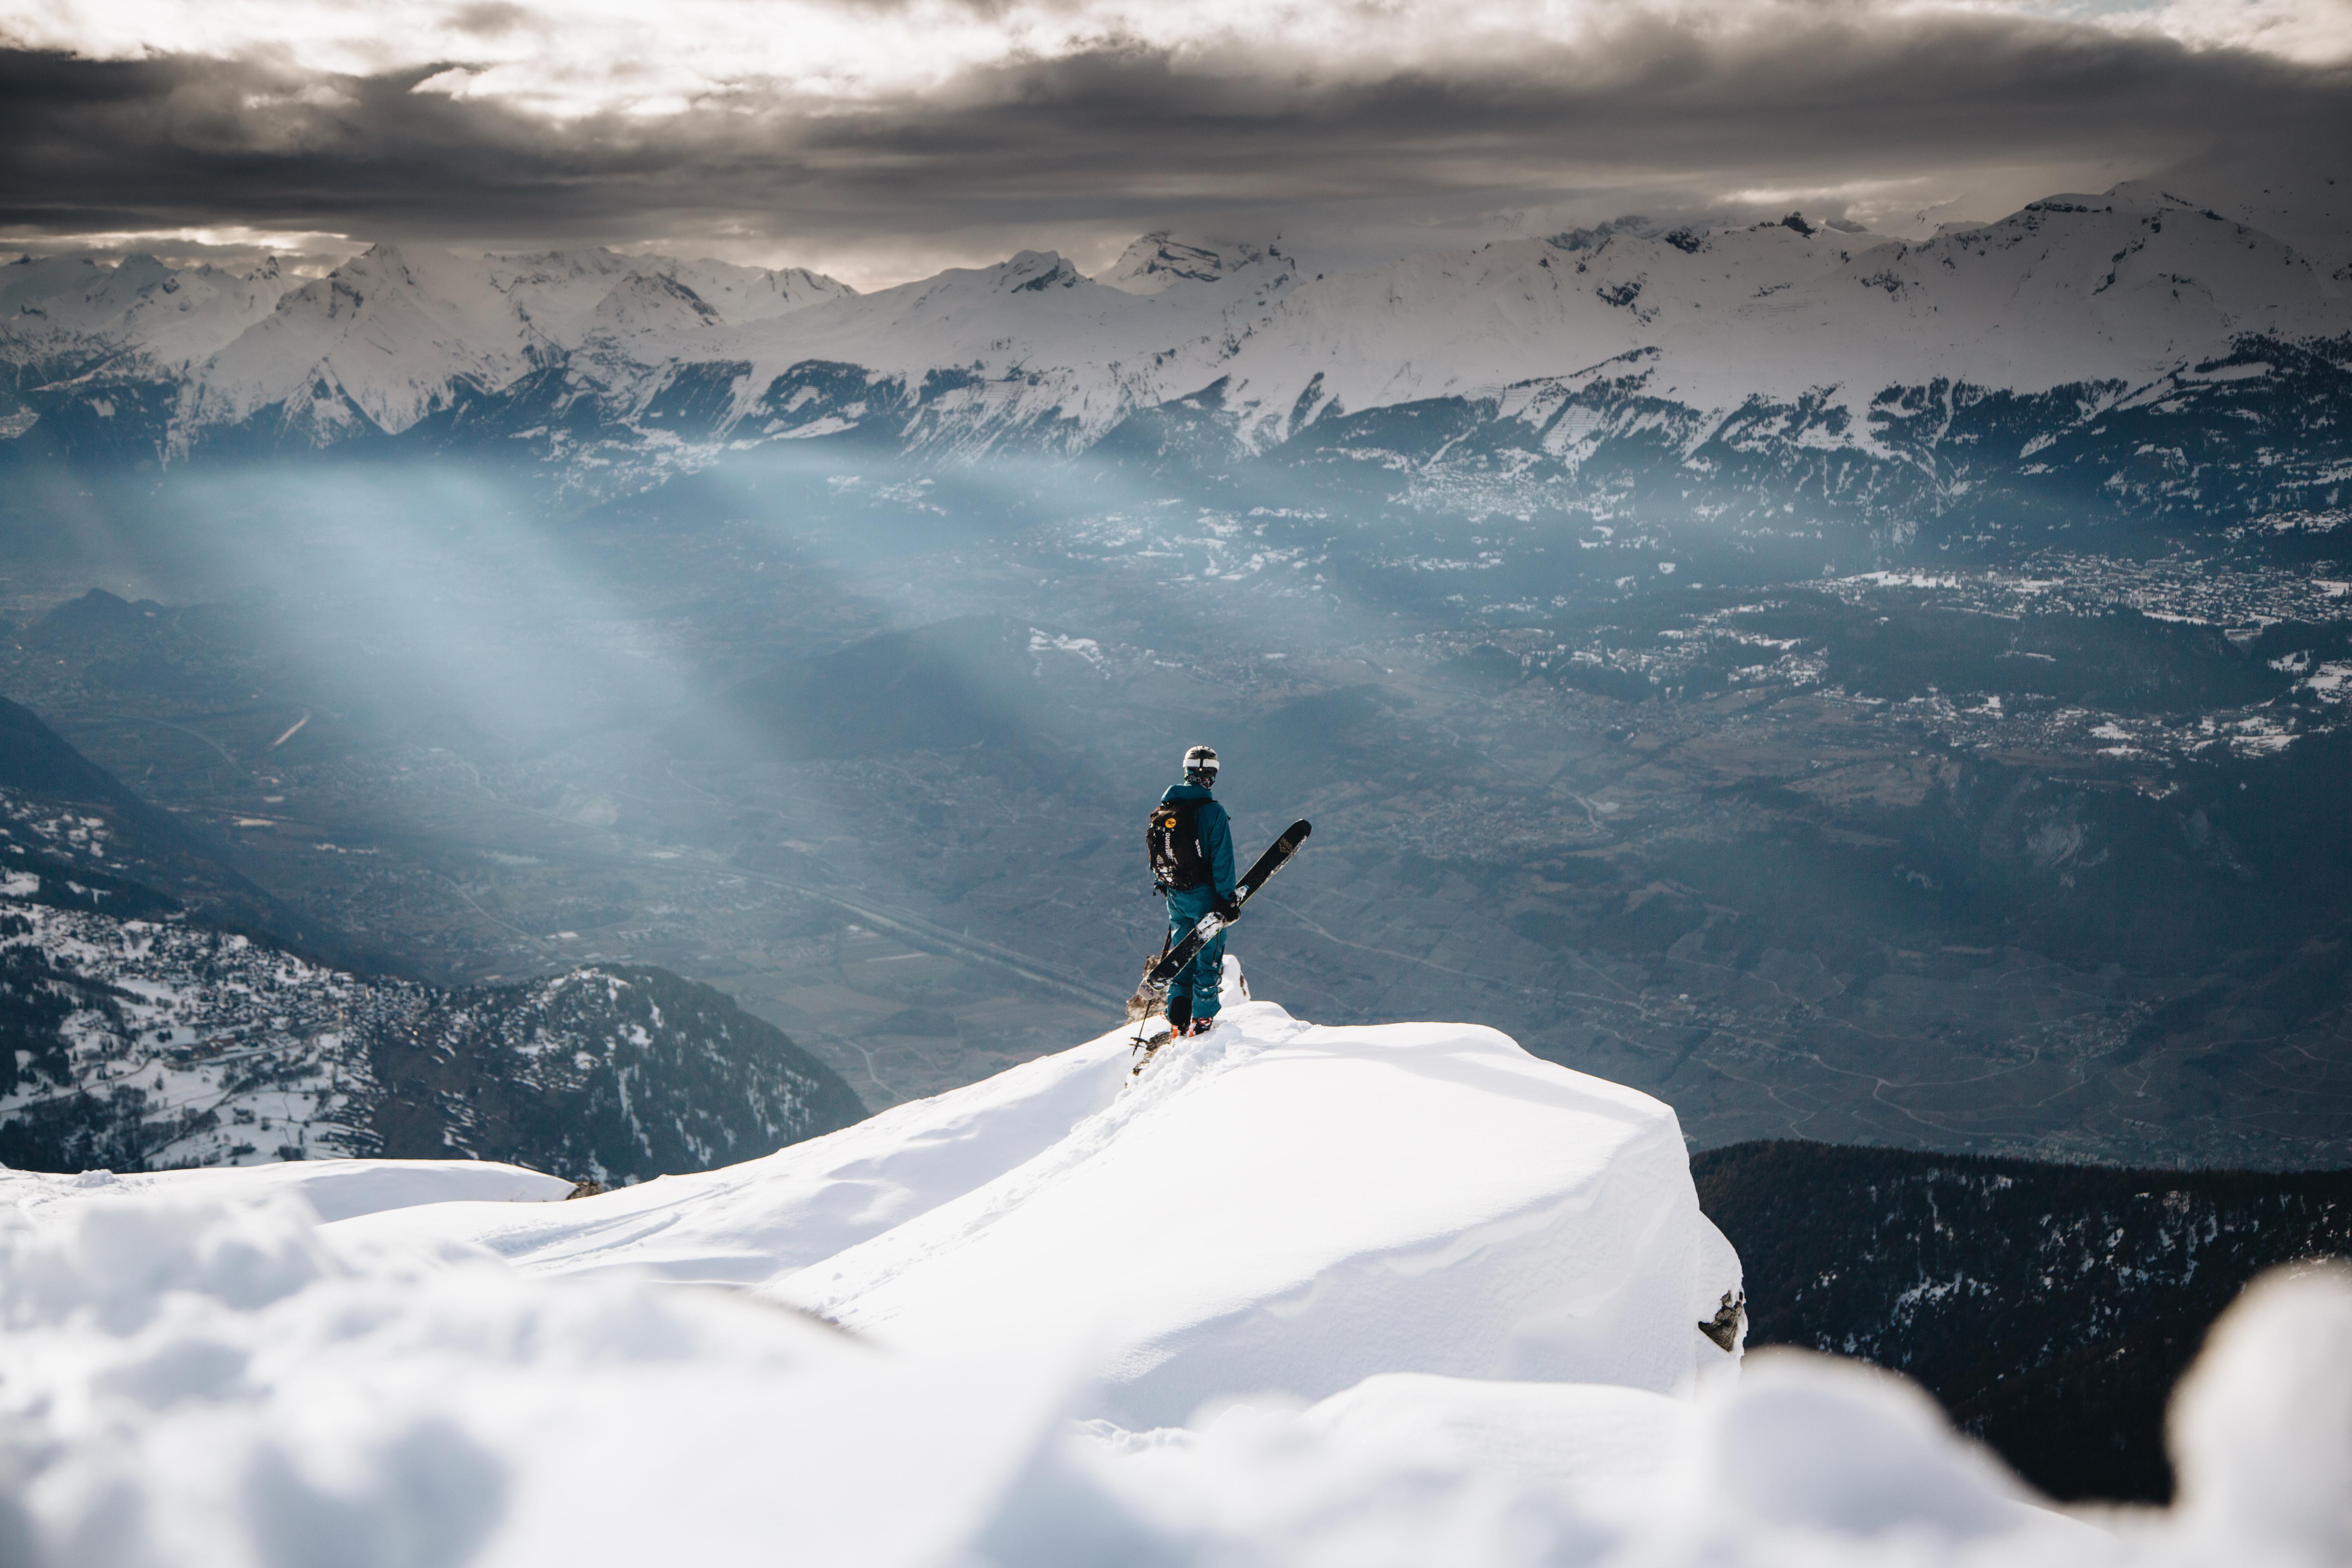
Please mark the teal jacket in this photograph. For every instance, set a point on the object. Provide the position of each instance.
(1216, 833)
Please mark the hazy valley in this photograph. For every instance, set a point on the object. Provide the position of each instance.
(2018, 849)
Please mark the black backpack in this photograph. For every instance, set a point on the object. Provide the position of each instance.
(1173, 841)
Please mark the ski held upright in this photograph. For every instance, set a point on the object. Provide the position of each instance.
(1278, 854)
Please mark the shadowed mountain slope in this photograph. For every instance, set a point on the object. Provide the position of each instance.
(93, 844)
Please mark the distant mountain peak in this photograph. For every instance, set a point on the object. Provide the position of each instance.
(1038, 270)
(1600, 234)
(1160, 260)
(644, 302)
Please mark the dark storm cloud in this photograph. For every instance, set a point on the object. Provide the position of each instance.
(1130, 133)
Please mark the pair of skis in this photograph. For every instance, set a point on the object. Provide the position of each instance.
(1171, 962)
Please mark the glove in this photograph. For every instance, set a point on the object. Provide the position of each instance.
(1229, 910)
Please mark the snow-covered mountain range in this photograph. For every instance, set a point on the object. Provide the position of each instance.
(67, 309)
(2135, 340)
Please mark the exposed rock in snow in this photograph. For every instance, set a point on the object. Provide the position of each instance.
(1158, 261)
(558, 292)
(742, 294)
(642, 304)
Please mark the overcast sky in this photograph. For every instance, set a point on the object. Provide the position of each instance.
(879, 139)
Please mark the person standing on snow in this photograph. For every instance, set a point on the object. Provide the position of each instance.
(1191, 845)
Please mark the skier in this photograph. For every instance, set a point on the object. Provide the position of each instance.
(1191, 845)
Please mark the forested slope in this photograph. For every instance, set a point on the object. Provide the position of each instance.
(2050, 1307)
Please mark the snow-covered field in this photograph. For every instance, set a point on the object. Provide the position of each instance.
(1298, 1295)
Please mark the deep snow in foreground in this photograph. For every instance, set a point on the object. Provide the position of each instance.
(203, 1372)
(334, 1189)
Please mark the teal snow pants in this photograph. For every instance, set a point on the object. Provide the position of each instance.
(1200, 979)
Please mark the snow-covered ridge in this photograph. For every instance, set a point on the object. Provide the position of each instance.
(2122, 290)
(1160, 260)
(390, 335)
(72, 307)
(190, 1376)
(2073, 289)
(394, 334)
(1274, 1205)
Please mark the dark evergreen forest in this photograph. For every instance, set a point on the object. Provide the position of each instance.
(2050, 1308)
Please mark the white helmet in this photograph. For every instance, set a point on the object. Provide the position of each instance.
(1201, 760)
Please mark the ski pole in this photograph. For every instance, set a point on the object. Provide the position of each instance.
(1144, 1021)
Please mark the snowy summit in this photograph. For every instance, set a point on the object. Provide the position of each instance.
(1274, 1206)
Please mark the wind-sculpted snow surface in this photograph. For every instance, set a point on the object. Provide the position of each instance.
(194, 1381)
(335, 1189)
(1272, 1207)
(764, 1219)
(1277, 1205)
